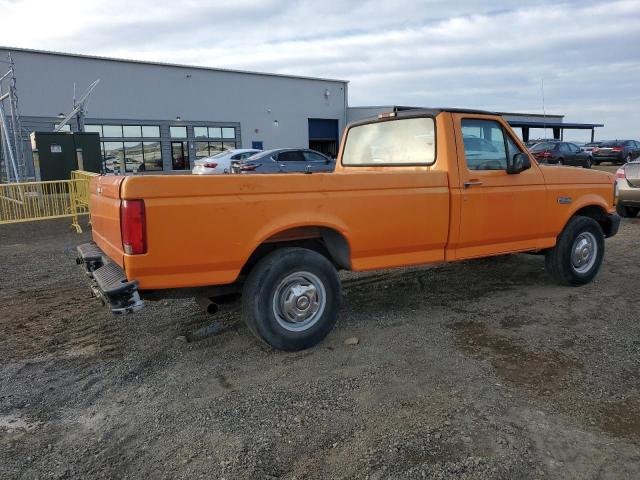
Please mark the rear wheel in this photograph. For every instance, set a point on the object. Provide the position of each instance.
(578, 253)
(291, 298)
(587, 162)
(627, 159)
(627, 212)
(561, 161)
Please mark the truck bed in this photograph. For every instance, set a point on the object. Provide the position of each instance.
(202, 229)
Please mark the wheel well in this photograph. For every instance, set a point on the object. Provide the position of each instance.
(326, 241)
(598, 214)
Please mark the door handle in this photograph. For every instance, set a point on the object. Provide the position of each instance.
(472, 183)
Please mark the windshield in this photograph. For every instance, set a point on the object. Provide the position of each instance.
(542, 147)
(612, 143)
(407, 141)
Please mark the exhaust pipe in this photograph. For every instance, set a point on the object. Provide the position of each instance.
(207, 305)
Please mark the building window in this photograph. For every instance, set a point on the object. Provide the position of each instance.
(134, 156)
(113, 156)
(201, 132)
(208, 149)
(150, 131)
(93, 129)
(215, 132)
(112, 131)
(178, 132)
(152, 155)
(134, 131)
(229, 132)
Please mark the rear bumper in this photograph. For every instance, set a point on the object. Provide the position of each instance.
(608, 158)
(108, 281)
(628, 195)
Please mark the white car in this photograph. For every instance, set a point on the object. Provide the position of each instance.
(221, 163)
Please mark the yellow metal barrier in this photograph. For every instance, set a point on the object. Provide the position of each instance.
(83, 187)
(31, 201)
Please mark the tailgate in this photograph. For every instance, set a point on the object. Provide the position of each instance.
(105, 215)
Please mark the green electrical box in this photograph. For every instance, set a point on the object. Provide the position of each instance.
(57, 154)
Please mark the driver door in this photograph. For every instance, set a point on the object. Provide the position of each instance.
(499, 212)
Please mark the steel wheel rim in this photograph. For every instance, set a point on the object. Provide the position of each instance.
(299, 301)
(584, 252)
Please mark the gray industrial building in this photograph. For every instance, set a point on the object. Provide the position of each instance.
(166, 116)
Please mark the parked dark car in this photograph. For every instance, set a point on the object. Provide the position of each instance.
(588, 147)
(285, 160)
(561, 153)
(616, 151)
(531, 143)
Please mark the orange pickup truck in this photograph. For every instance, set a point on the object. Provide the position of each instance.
(411, 187)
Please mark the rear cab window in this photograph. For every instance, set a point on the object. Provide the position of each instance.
(398, 142)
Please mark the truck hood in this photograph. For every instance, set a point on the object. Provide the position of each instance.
(571, 175)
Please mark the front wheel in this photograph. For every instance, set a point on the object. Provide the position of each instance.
(577, 256)
(291, 298)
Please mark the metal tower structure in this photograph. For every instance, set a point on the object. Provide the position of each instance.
(79, 108)
(11, 143)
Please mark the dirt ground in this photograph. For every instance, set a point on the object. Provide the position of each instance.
(474, 370)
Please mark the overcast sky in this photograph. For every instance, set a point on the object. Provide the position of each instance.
(481, 54)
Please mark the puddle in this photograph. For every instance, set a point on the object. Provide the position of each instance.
(543, 371)
(620, 418)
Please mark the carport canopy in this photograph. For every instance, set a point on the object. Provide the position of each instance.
(557, 127)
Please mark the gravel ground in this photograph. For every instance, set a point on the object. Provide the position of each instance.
(473, 370)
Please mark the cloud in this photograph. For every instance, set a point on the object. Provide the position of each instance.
(490, 54)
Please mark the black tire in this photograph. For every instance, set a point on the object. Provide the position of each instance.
(627, 159)
(559, 260)
(626, 211)
(587, 162)
(283, 272)
(560, 161)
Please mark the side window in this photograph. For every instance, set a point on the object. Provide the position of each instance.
(564, 147)
(237, 156)
(484, 145)
(291, 156)
(573, 147)
(313, 157)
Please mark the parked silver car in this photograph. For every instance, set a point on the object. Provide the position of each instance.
(221, 163)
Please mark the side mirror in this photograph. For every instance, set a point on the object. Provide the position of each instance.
(518, 163)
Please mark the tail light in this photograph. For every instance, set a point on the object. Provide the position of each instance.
(595, 149)
(133, 226)
(617, 149)
(620, 175)
(248, 167)
(209, 165)
(543, 155)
